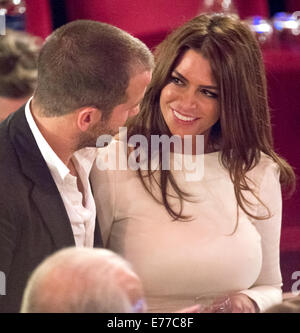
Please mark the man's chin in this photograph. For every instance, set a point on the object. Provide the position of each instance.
(99, 141)
(104, 140)
(82, 145)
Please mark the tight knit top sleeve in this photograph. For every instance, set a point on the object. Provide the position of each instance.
(218, 251)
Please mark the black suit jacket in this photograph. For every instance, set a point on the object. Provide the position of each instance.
(33, 220)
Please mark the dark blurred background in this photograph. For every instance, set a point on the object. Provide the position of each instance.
(60, 17)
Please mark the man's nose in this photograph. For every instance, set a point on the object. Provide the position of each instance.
(134, 111)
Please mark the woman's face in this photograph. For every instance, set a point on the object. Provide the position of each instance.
(189, 102)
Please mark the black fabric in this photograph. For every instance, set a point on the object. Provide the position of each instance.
(276, 6)
(58, 13)
(33, 220)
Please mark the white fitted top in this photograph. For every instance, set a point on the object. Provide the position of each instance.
(181, 261)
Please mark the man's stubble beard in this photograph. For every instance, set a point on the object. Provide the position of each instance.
(89, 138)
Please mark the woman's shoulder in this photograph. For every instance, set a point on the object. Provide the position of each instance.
(111, 156)
(114, 163)
(265, 163)
(265, 168)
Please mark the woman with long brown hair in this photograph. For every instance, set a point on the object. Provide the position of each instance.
(219, 233)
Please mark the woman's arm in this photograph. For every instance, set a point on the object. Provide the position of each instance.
(266, 291)
(103, 184)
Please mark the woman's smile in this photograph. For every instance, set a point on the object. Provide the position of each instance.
(189, 101)
(184, 119)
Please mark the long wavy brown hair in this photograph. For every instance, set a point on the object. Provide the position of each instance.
(244, 128)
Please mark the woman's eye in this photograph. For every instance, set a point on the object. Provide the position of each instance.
(176, 80)
(209, 93)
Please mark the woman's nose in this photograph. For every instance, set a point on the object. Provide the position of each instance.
(189, 99)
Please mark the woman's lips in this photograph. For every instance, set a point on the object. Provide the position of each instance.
(183, 118)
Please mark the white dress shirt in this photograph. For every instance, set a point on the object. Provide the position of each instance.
(82, 217)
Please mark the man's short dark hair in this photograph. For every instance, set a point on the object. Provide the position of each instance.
(88, 63)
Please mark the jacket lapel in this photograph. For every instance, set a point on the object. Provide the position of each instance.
(97, 235)
(44, 192)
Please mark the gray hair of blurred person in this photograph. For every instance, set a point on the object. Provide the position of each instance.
(83, 280)
(288, 306)
(18, 64)
(88, 63)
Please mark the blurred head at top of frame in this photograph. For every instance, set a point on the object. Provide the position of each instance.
(18, 69)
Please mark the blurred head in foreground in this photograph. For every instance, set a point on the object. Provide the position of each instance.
(289, 306)
(83, 280)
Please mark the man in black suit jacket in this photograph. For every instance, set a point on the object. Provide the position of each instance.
(91, 77)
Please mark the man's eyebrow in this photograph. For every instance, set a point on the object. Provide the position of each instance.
(181, 77)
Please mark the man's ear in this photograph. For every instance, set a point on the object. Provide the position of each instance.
(87, 117)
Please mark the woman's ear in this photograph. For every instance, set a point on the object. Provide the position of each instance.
(87, 117)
